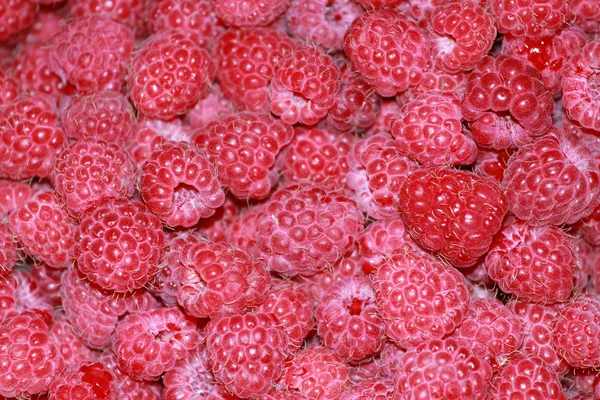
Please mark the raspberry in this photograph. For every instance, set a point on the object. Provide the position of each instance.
(191, 378)
(506, 102)
(131, 13)
(119, 245)
(429, 130)
(436, 82)
(552, 181)
(587, 15)
(9, 88)
(246, 352)
(131, 389)
(389, 358)
(103, 115)
(18, 294)
(377, 171)
(179, 185)
(576, 332)
(210, 109)
(149, 134)
(369, 389)
(87, 381)
(13, 195)
(215, 227)
(463, 33)
(306, 229)
(388, 50)
(45, 229)
(590, 227)
(30, 137)
(585, 262)
(89, 70)
(47, 23)
(442, 369)
(492, 163)
(453, 213)
(304, 85)
(71, 348)
(530, 18)
(15, 17)
(348, 320)
(150, 342)
(243, 147)
(8, 250)
(322, 22)
(249, 12)
(246, 61)
(89, 174)
(168, 75)
(241, 232)
(419, 298)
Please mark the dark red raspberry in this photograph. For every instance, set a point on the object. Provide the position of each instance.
(86, 381)
(530, 18)
(249, 12)
(15, 17)
(129, 12)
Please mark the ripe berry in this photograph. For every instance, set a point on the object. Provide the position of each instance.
(249, 12)
(71, 348)
(131, 13)
(15, 17)
(530, 18)
(8, 250)
(88, 381)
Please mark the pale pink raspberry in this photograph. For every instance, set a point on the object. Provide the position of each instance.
(215, 227)
(587, 15)
(18, 294)
(241, 231)
(436, 82)
(389, 358)
(530, 18)
(47, 23)
(249, 12)
(387, 112)
(191, 378)
(369, 389)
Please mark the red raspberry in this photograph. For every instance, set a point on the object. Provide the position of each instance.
(590, 227)
(150, 342)
(317, 156)
(246, 352)
(88, 70)
(195, 19)
(215, 227)
(463, 33)
(388, 50)
(45, 229)
(369, 389)
(249, 12)
(131, 13)
(587, 15)
(179, 185)
(576, 332)
(168, 75)
(71, 348)
(436, 82)
(506, 102)
(420, 10)
(388, 111)
(86, 381)
(119, 245)
(552, 181)
(30, 360)
(306, 229)
(453, 213)
(243, 147)
(191, 378)
(30, 137)
(8, 250)
(241, 232)
(377, 171)
(419, 298)
(429, 130)
(492, 163)
(348, 320)
(15, 17)
(246, 61)
(304, 86)
(13, 195)
(131, 389)
(536, 264)
(89, 174)
(26, 296)
(322, 22)
(103, 115)
(442, 369)
(9, 89)
(524, 374)
(149, 134)
(530, 18)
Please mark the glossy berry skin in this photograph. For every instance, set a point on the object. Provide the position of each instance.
(304, 85)
(452, 213)
(389, 51)
(180, 185)
(87, 381)
(530, 18)
(536, 264)
(119, 245)
(168, 75)
(131, 13)
(246, 352)
(150, 342)
(552, 181)
(105, 66)
(241, 13)
(419, 298)
(15, 17)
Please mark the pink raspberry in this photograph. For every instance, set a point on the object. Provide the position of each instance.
(45, 229)
(180, 185)
(150, 342)
(530, 18)
(429, 130)
(88, 174)
(590, 227)
(30, 137)
(246, 61)
(317, 156)
(92, 69)
(506, 102)
(420, 10)
(442, 369)
(128, 388)
(246, 352)
(453, 213)
(243, 147)
(72, 349)
(241, 231)
(388, 49)
(536, 264)
(131, 13)
(492, 163)
(552, 181)
(387, 112)
(348, 320)
(587, 15)
(322, 22)
(18, 294)
(103, 115)
(304, 85)
(419, 298)
(191, 378)
(215, 227)
(47, 23)
(436, 82)
(249, 12)
(377, 171)
(211, 108)
(119, 245)
(168, 75)
(13, 195)
(9, 88)
(306, 229)
(369, 389)
(15, 17)
(9, 254)
(86, 381)
(576, 332)
(149, 134)
(585, 255)
(463, 33)
(389, 358)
